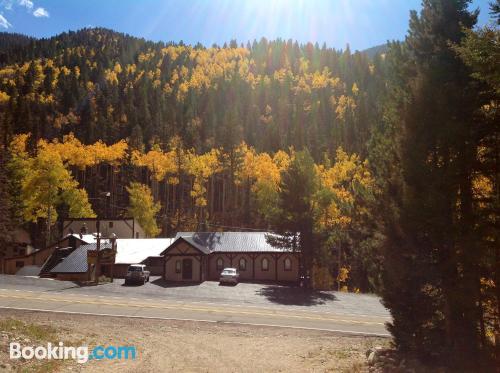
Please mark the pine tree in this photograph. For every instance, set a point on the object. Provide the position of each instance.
(432, 279)
(295, 215)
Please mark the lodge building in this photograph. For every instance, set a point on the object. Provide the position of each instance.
(200, 256)
(188, 257)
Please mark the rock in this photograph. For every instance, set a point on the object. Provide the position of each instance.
(372, 358)
(370, 350)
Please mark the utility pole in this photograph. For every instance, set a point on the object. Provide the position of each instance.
(98, 241)
(113, 248)
(98, 247)
(338, 274)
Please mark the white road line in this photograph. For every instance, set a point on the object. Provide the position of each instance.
(205, 321)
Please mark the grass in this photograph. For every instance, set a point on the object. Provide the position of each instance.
(37, 334)
(43, 367)
(31, 331)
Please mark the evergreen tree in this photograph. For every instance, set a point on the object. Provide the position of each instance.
(295, 215)
(432, 257)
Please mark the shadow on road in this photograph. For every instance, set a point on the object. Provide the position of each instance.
(170, 284)
(227, 284)
(295, 295)
(132, 284)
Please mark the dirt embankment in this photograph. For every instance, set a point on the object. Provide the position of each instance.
(177, 346)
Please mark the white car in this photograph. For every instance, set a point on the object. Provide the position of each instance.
(229, 276)
(137, 273)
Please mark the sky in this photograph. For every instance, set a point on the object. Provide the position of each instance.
(359, 23)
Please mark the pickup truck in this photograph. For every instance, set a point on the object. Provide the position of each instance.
(137, 273)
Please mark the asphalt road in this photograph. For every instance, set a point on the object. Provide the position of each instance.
(257, 304)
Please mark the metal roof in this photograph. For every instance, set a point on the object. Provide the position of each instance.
(231, 241)
(128, 251)
(136, 250)
(76, 262)
(190, 241)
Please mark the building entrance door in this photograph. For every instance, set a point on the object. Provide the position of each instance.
(187, 269)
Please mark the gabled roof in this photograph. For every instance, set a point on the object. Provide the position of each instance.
(210, 242)
(128, 251)
(190, 241)
(76, 262)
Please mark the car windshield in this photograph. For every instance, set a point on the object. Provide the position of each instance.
(135, 269)
(229, 271)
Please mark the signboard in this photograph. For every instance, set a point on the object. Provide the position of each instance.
(107, 256)
(91, 256)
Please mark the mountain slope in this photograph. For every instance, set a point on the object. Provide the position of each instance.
(100, 84)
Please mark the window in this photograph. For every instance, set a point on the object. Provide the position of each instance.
(287, 264)
(111, 224)
(243, 264)
(19, 264)
(219, 264)
(177, 266)
(265, 264)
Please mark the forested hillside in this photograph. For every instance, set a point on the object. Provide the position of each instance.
(382, 170)
(102, 85)
(207, 129)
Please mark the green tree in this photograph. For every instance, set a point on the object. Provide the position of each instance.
(432, 256)
(480, 50)
(143, 208)
(295, 214)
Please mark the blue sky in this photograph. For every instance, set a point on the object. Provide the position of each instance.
(361, 23)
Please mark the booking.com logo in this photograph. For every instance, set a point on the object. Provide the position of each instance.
(80, 354)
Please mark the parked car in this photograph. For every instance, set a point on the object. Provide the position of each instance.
(137, 273)
(229, 276)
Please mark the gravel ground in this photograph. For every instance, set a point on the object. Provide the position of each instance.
(178, 346)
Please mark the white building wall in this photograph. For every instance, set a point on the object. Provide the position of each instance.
(126, 228)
